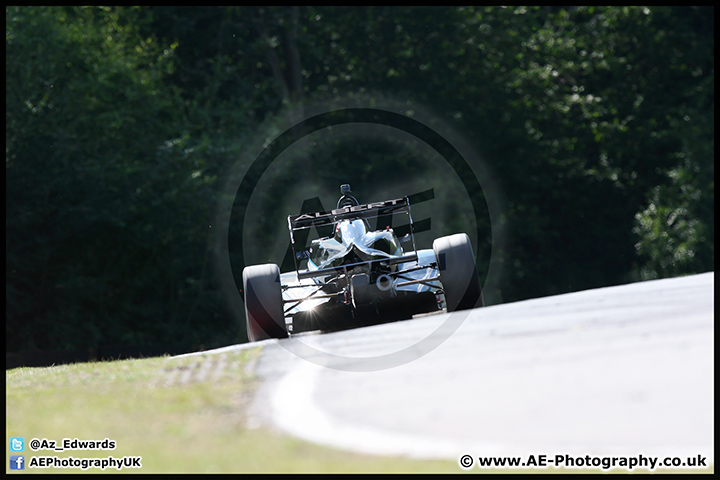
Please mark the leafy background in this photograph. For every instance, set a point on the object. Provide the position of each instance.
(122, 124)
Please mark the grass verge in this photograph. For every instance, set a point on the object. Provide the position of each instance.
(181, 415)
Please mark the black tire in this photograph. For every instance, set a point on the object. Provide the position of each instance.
(458, 272)
(263, 302)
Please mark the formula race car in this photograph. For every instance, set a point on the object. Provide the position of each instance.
(357, 276)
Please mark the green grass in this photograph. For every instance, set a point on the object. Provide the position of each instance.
(181, 415)
(176, 419)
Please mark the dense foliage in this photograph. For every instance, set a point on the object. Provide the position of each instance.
(123, 122)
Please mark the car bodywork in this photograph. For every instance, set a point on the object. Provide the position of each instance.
(358, 275)
(354, 275)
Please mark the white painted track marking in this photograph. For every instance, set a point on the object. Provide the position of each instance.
(613, 371)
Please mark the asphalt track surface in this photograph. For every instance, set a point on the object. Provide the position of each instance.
(616, 371)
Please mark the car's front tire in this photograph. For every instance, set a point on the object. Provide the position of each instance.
(263, 302)
(458, 272)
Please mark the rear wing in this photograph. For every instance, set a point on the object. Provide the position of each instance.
(370, 210)
(365, 211)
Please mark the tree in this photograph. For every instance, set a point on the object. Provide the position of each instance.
(95, 177)
(122, 123)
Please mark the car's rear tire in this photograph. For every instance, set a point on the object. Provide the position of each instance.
(458, 272)
(263, 302)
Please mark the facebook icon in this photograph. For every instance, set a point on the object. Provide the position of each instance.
(17, 462)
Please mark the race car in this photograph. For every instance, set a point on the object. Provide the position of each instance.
(356, 276)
